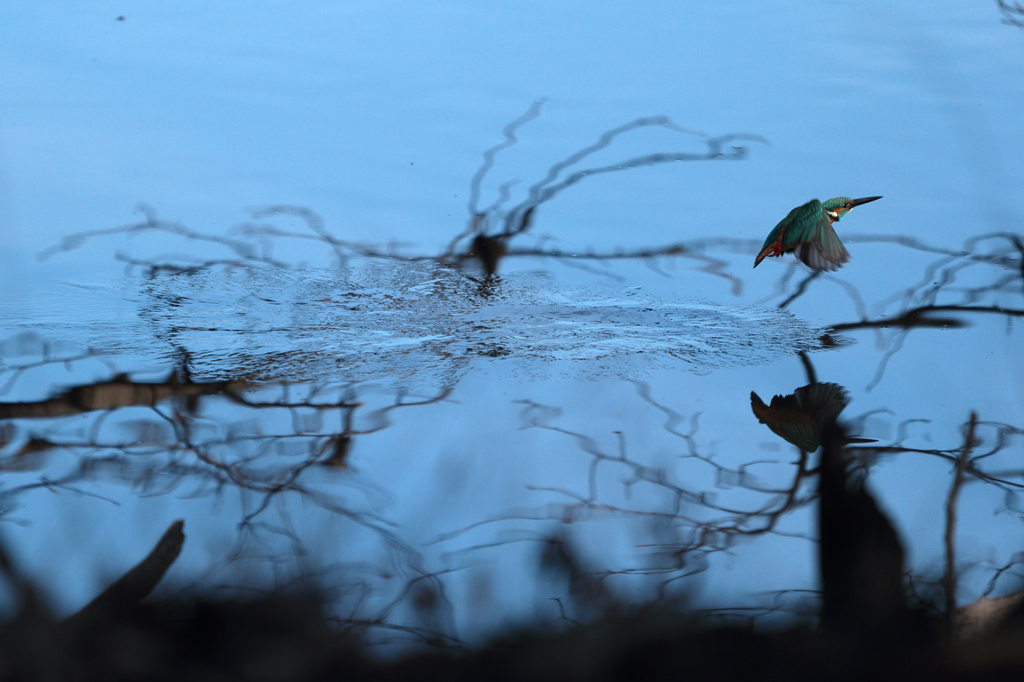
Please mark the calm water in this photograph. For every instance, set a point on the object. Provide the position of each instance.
(415, 436)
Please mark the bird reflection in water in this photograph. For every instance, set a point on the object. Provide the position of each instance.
(801, 417)
(860, 555)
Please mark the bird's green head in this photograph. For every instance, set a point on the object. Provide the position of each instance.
(838, 207)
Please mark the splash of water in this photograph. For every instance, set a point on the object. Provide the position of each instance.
(422, 323)
(406, 324)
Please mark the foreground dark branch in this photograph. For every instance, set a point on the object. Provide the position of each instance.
(962, 464)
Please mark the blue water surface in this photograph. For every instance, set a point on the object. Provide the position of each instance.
(375, 116)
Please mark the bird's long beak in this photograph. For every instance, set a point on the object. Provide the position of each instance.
(865, 200)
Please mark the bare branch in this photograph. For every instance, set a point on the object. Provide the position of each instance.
(962, 465)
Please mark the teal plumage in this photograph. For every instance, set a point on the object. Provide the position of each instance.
(801, 417)
(807, 232)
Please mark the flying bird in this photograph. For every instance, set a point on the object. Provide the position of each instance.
(807, 232)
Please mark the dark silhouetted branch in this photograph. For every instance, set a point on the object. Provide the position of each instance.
(139, 581)
(962, 464)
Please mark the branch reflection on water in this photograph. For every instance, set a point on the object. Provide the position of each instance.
(217, 428)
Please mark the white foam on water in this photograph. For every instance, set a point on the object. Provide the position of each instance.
(422, 324)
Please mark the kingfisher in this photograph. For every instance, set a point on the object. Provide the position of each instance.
(807, 232)
(802, 416)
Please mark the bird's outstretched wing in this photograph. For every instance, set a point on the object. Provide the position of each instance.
(822, 248)
(785, 419)
(824, 400)
(795, 229)
(801, 224)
